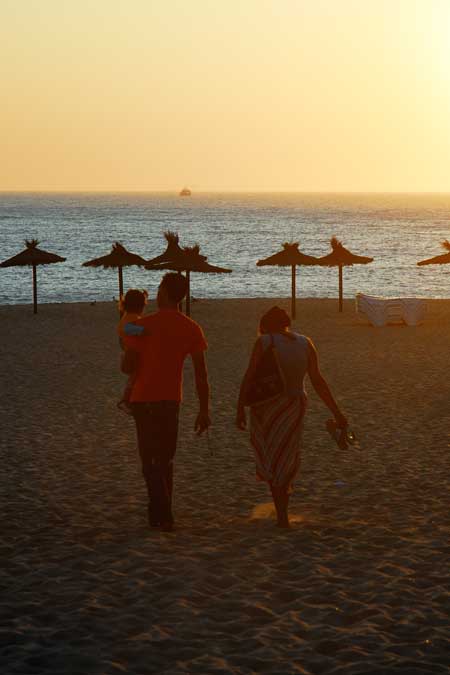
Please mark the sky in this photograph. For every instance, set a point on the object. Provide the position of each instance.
(242, 95)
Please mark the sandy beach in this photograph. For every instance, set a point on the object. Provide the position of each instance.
(359, 585)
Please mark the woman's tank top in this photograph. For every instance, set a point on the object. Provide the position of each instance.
(293, 360)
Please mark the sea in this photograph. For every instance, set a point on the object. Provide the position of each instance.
(233, 230)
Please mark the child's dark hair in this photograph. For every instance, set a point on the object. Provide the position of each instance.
(175, 285)
(133, 301)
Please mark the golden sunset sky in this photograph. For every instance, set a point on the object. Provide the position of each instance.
(263, 95)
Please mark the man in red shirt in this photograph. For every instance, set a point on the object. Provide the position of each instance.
(169, 336)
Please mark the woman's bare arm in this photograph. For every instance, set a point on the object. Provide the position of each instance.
(320, 385)
(254, 358)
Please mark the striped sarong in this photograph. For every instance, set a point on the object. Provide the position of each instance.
(275, 434)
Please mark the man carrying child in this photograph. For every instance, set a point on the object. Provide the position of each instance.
(168, 337)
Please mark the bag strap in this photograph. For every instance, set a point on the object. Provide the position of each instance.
(271, 344)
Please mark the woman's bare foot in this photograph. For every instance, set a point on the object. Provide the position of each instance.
(281, 501)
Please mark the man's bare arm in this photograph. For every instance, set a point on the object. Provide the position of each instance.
(203, 420)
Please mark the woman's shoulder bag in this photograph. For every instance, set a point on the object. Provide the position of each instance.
(268, 381)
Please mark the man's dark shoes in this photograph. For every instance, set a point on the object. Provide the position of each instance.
(168, 526)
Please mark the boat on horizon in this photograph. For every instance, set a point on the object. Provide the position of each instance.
(185, 192)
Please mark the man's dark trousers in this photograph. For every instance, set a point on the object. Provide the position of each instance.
(157, 432)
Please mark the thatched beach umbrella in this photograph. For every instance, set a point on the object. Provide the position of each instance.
(341, 257)
(443, 259)
(172, 252)
(193, 261)
(119, 258)
(187, 259)
(289, 256)
(32, 256)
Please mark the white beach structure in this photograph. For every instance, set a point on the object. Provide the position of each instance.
(380, 311)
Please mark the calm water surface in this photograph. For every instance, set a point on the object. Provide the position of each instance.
(234, 230)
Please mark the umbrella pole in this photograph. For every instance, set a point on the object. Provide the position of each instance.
(180, 304)
(293, 298)
(120, 287)
(120, 282)
(34, 290)
(341, 285)
(188, 294)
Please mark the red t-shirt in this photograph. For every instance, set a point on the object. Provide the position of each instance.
(170, 337)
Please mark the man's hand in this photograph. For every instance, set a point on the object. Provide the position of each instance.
(241, 419)
(202, 422)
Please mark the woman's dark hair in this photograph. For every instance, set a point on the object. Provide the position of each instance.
(175, 285)
(276, 320)
(134, 301)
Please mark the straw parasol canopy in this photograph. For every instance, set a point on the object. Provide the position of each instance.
(443, 259)
(187, 259)
(341, 257)
(289, 256)
(119, 257)
(172, 251)
(32, 256)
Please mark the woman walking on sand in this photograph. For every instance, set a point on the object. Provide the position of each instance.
(276, 426)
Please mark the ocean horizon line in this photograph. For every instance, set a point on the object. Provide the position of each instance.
(230, 192)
